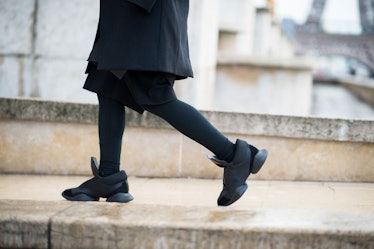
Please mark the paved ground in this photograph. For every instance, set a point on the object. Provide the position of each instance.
(329, 196)
(182, 213)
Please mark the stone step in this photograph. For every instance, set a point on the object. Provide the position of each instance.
(363, 88)
(182, 213)
(57, 138)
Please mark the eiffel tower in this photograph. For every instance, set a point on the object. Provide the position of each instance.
(311, 39)
(314, 24)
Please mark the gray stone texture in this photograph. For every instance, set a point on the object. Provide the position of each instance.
(176, 227)
(56, 224)
(44, 46)
(66, 28)
(45, 43)
(53, 38)
(16, 76)
(34, 109)
(228, 122)
(9, 77)
(263, 90)
(300, 148)
(26, 226)
(364, 89)
(16, 26)
(62, 80)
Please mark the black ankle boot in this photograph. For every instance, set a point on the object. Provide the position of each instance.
(114, 187)
(247, 159)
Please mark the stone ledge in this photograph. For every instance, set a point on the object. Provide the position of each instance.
(61, 224)
(363, 88)
(263, 62)
(227, 122)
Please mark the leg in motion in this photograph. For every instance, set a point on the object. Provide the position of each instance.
(108, 181)
(238, 161)
(190, 122)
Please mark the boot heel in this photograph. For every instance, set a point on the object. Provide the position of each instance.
(258, 161)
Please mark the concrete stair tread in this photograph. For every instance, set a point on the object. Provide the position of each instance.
(182, 213)
(300, 148)
(332, 196)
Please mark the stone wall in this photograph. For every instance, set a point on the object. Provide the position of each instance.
(263, 86)
(45, 44)
(362, 88)
(43, 137)
(43, 47)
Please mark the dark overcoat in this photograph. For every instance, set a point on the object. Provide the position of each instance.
(145, 35)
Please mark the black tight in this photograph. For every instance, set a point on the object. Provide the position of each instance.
(183, 117)
(189, 121)
(112, 118)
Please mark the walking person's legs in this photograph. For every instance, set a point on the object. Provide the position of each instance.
(153, 91)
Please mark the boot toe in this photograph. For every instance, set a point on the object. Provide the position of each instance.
(229, 196)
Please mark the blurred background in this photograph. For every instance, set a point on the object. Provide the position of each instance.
(286, 57)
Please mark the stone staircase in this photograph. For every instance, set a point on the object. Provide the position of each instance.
(316, 190)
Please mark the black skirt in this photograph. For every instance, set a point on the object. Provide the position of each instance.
(135, 89)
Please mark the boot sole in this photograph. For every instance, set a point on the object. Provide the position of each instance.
(79, 197)
(120, 197)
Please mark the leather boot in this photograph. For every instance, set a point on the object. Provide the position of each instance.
(247, 159)
(114, 187)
